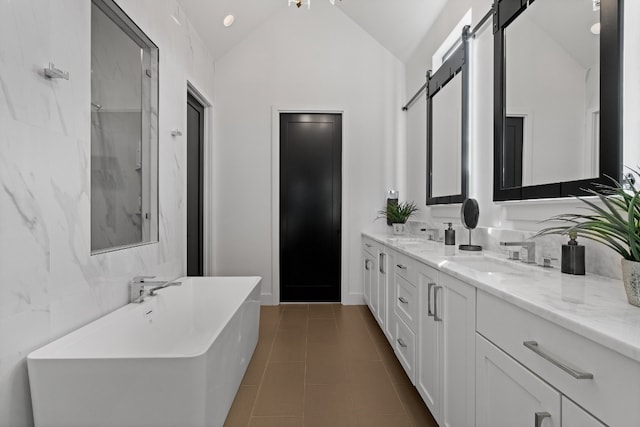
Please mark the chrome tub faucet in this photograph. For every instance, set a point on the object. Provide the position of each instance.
(141, 287)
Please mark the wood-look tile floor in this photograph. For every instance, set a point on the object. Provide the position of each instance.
(325, 366)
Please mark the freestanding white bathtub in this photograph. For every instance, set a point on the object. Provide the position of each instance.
(175, 360)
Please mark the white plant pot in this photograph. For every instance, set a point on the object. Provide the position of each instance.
(631, 279)
(399, 228)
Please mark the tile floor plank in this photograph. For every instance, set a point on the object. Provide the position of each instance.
(325, 365)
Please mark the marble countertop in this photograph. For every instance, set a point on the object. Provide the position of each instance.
(592, 306)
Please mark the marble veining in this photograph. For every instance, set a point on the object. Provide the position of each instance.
(592, 306)
(50, 284)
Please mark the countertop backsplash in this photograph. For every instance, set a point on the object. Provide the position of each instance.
(600, 260)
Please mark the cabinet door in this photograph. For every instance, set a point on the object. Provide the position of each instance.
(367, 272)
(429, 380)
(575, 416)
(383, 266)
(390, 325)
(455, 303)
(373, 293)
(508, 394)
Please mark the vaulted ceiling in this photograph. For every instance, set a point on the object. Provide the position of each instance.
(398, 25)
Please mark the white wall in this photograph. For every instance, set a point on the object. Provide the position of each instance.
(518, 215)
(631, 132)
(49, 283)
(314, 59)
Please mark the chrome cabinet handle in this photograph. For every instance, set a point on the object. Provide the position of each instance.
(382, 263)
(366, 264)
(403, 300)
(401, 267)
(402, 343)
(429, 286)
(435, 304)
(368, 245)
(539, 418)
(575, 373)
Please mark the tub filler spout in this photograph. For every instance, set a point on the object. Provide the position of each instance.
(141, 287)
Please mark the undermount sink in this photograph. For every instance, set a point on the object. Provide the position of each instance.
(486, 264)
(407, 241)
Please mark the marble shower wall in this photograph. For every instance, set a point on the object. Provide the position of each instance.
(49, 283)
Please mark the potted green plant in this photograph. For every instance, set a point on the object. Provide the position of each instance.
(398, 214)
(615, 223)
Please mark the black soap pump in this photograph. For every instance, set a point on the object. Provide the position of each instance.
(449, 240)
(573, 256)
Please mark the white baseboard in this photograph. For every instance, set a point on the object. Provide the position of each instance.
(354, 299)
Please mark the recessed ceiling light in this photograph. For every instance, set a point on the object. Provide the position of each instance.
(228, 20)
(595, 28)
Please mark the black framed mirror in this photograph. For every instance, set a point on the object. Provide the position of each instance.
(447, 128)
(557, 97)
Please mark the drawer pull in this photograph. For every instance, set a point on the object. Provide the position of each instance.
(366, 264)
(403, 300)
(429, 286)
(382, 255)
(402, 343)
(540, 416)
(579, 375)
(401, 267)
(435, 304)
(368, 245)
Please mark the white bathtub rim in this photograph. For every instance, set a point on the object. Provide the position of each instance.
(49, 351)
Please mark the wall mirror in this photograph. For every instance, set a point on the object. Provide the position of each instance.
(557, 97)
(447, 128)
(124, 131)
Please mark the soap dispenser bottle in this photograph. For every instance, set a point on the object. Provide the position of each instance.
(573, 256)
(449, 240)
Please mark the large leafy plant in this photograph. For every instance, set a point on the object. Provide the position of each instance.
(398, 213)
(615, 223)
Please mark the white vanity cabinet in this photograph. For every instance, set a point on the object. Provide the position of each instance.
(458, 351)
(369, 274)
(446, 347)
(604, 382)
(429, 378)
(384, 265)
(488, 353)
(405, 308)
(378, 279)
(509, 395)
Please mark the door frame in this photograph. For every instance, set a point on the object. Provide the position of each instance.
(207, 177)
(272, 296)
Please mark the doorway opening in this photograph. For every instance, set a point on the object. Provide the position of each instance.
(512, 151)
(310, 207)
(195, 186)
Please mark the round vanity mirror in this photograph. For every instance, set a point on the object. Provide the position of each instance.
(469, 215)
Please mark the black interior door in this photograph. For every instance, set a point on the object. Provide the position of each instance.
(512, 152)
(310, 207)
(195, 194)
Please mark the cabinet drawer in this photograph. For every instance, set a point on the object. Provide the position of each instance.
(613, 392)
(405, 348)
(406, 302)
(405, 267)
(370, 246)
